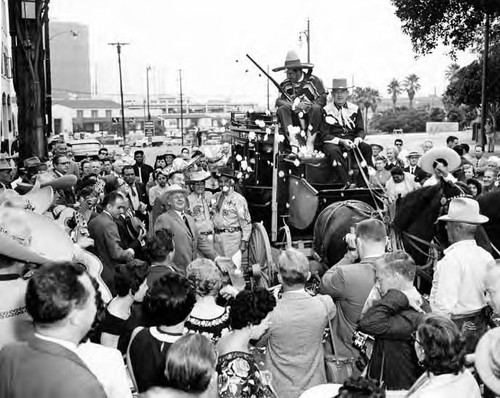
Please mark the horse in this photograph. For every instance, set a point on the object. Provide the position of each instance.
(488, 205)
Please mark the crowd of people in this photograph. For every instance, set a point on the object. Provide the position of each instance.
(118, 278)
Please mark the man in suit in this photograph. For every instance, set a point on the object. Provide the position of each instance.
(136, 193)
(61, 299)
(414, 169)
(107, 243)
(67, 196)
(142, 170)
(187, 240)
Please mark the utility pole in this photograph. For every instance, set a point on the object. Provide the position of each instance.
(267, 80)
(182, 111)
(307, 34)
(118, 46)
(147, 90)
(484, 96)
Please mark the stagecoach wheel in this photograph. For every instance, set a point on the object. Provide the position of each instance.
(260, 259)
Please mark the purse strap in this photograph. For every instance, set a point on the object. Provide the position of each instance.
(330, 326)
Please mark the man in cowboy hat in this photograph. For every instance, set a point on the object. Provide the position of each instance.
(343, 129)
(414, 169)
(200, 204)
(187, 240)
(232, 223)
(306, 95)
(458, 286)
(5, 172)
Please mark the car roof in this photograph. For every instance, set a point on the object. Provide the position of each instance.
(84, 141)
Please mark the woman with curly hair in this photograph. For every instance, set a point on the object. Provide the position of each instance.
(441, 351)
(167, 306)
(239, 374)
(159, 251)
(207, 317)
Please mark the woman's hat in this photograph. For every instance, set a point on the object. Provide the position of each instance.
(292, 61)
(30, 237)
(37, 200)
(197, 176)
(464, 210)
(488, 359)
(447, 154)
(48, 180)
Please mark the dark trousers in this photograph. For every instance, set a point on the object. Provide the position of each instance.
(286, 117)
(336, 155)
(472, 327)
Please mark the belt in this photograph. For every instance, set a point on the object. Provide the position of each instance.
(457, 317)
(206, 233)
(227, 230)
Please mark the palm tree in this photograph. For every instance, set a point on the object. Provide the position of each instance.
(366, 98)
(411, 86)
(451, 71)
(394, 88)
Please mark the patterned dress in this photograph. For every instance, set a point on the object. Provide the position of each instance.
(214, 329)
(240, 376)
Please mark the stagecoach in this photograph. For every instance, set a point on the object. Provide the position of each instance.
(287, 195)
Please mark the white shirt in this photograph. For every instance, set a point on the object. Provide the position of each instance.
(458, 286)
(134, 197)
(433, 180)
(462, 385)
(108, 367)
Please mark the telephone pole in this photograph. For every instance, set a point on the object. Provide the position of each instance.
(147, 90)
(182, 112)
(119, 46)
(307, 34)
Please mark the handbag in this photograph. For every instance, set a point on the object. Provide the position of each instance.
(337, 368)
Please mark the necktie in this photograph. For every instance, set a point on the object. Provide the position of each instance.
(187, 224)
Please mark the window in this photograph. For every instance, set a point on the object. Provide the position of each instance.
(108, 113)
(79, 113)
(94, 113)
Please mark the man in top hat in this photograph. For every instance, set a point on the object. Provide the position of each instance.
(200, 204)
(414, 169)
(5, 172)
(459, 282)
(343, 129)
(232, 223)
(187, 240)
(306, 96)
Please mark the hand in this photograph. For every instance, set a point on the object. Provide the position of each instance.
(225, 264)
(357, 140)
(130, 253)
(441, 170)
(142, 234)
(228, 291)
(348, 144)
(243, 245)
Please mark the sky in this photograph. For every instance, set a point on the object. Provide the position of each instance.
(360, 40)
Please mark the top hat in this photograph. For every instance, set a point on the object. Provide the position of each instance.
(293, 62)
(339, 84)
(465, 210)
(432, 155)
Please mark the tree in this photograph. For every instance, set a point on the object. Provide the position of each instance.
(411, 86)
(451, 71)
(454, 23)
(394, 88)
(366, 98)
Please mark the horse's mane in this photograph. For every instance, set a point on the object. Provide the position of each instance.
(488, 203)
(413, 204)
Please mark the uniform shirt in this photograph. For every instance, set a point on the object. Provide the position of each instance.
(199, 206)
(458, 286)
(232, 212)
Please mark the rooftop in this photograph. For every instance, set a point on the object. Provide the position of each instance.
(88, 104)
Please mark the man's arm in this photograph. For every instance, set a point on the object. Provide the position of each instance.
(333, 283)
(320, 91)
(244, 218)
(113, 244)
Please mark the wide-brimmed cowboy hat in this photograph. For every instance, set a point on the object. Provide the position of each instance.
(197, 176)
(292, 61)
(464, 210)
(48, 180)
(37, 200)
(340, 84)
(30, 237)
(487, 360)
(452, 159)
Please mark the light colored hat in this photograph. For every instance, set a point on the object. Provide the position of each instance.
(4, 163)
(199, 175)
(488, 359)
(413, 154)
(464, 210)
(37, 200)
(292, 61)
(30, 237)
(447, 154)
(340, 84)
(48, 180)
(174, 188)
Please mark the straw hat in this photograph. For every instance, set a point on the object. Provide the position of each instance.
(30, 237)
(488, 359)
(48, 180)
(197, 176)
(447, 154)
(38, 200)
(292, 61)
(174, 188)
(464, 210)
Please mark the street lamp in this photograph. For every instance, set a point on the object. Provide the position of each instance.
(118, 46)
(307, 34)
(182, 111)
(148, 68)
(73, 33)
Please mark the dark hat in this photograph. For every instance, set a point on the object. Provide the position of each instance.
(339, 84)
(32, 162)
(293, 62)
(226, 172)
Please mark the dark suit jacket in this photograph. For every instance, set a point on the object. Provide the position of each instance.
(108, 246)
(187, 242)
(143, 197)
(42, 369)
(420, 175)
(143, 171)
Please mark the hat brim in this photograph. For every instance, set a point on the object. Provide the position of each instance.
(38, 201)
(482, 361)
(414, 155)
(428, 159)
(63, 182)
(298, 66)
(190, 181)
(378, 146)
(479, 220)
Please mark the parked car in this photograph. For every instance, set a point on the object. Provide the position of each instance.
(85, 148)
